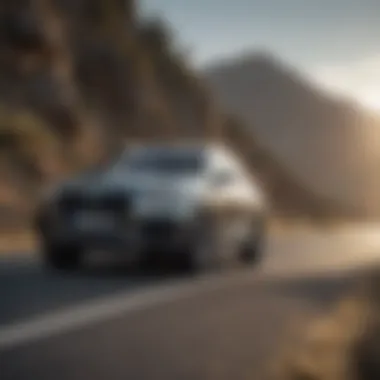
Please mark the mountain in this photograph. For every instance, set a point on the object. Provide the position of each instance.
(81, 78)
(331, 146)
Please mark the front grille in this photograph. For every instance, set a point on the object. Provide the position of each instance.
(117, 202)
(70, 202)
(159, 228)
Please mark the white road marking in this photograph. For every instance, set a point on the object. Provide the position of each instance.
(62, 321)
(66, 320)
(74, 318)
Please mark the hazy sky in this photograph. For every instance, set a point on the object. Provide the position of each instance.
(337, 42)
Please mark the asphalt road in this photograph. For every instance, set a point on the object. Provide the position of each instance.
(108, 324)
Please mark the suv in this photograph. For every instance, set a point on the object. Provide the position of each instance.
(193, 204)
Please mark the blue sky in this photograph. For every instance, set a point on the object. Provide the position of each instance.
(335, 42)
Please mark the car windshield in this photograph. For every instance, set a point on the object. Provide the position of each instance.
(176, 161)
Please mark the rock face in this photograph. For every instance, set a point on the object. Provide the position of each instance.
(330, 146)
(78, 78)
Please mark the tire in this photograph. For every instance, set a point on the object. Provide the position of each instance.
(208, 252)
(61, 257)
(201, 258)
(252, 251)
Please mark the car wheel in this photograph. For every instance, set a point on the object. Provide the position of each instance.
(252, 250)
(211, 251)
(63, 257)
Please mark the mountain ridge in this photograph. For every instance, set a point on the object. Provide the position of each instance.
(328, 144)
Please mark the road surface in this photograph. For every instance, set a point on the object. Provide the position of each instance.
(108, 324)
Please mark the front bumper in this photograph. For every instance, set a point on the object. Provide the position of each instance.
(132, 239)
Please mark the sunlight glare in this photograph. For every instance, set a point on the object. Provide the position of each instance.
(371, 100)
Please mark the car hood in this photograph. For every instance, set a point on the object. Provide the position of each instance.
(174, 196)
(137, 183)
